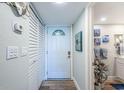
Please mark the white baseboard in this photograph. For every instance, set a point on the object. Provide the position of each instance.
(1, 88)
(112, 77)
(76, 84)
(115, 78)
(41, 81)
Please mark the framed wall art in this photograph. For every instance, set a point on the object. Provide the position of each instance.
(78, 42)
(97, 41)
(96, 32)
(105, 39)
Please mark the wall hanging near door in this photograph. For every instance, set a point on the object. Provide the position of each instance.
(78, 42)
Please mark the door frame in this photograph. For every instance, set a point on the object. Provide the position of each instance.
(89, 74)
(46, 50)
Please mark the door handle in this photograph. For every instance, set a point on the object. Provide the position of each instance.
(69, 54)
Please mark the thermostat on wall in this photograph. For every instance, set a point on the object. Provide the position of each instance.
(17, 27)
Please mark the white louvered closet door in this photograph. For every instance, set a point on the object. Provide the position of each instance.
(33, 72)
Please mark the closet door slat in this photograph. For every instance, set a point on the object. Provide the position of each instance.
(36, 51)
(33, 51)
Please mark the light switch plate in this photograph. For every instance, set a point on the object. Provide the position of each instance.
(12, 52)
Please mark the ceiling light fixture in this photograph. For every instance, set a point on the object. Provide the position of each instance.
(59, 1)
(103, 19)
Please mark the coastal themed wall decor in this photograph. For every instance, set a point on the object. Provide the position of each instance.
(96, 32)
(78, 41)
(97, 41)
(105, 39)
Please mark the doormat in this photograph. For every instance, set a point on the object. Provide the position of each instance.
(118, 86)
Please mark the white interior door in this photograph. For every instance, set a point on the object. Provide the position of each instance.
(58, 52)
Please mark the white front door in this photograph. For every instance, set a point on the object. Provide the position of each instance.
(59, 42)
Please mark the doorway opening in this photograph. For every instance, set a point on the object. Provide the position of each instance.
(108, 37)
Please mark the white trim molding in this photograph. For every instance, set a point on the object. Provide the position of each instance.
(76, 84)
(115, 78)
(89, 77)
(71, 53)
(112, 77)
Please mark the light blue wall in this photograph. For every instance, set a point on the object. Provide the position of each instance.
(79, 57)
(14, 72)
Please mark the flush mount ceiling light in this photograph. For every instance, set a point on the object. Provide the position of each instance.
(59, 1)
(103, 19)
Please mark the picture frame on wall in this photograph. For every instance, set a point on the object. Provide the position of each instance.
(97, 41)
(105, 38)
(97, 32)
(78, 42)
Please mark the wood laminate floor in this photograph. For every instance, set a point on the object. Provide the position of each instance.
(57, 85)
(108, 86)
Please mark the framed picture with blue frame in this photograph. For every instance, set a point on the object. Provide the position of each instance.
(105, 38)
(78, 42)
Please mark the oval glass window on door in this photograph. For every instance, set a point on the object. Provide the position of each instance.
(58, 33)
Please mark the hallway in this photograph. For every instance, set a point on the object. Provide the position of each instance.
(58, 85)
(42, 40)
